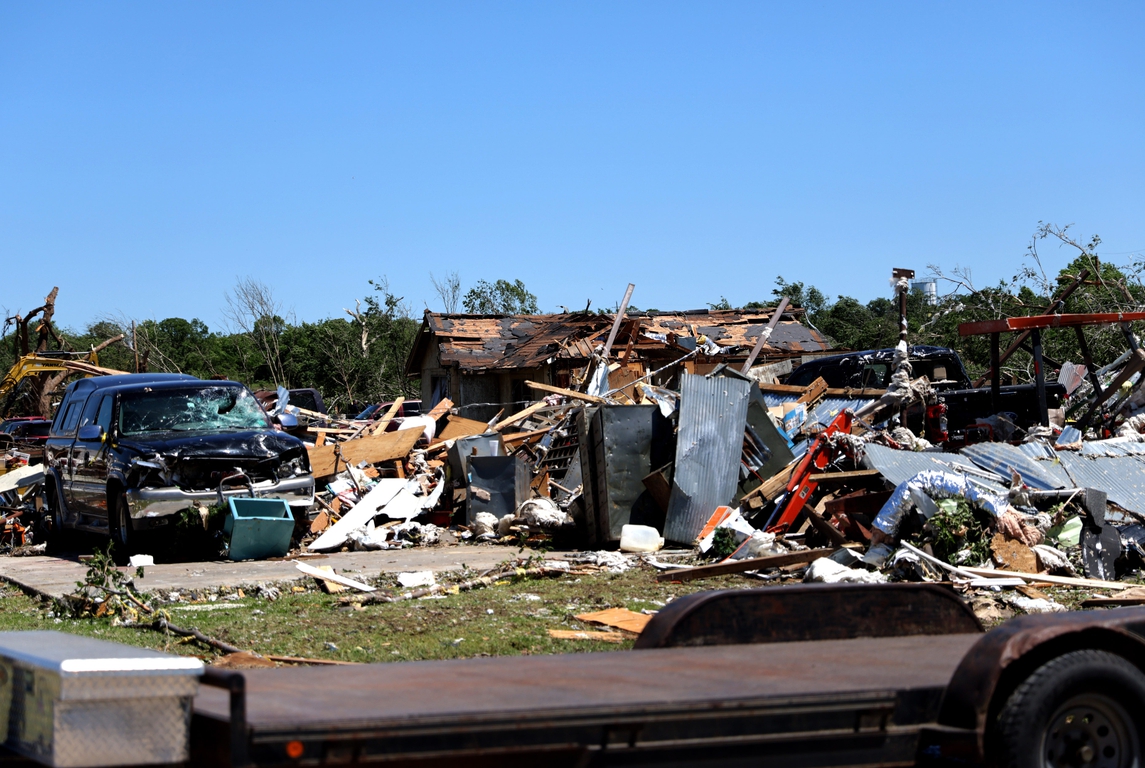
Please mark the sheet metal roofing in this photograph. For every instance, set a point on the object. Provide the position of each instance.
(482, 342)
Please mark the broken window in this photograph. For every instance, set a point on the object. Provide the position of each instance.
(207, 409)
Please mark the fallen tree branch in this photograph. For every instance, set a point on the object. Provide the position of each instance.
(465, 586)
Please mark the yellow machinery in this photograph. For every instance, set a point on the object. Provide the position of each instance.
(30, 365)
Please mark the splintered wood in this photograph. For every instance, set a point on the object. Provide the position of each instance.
(620, 618)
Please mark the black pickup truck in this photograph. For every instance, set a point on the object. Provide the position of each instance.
(962, 405)
(128, 453)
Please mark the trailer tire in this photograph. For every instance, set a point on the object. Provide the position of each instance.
(1082, 708)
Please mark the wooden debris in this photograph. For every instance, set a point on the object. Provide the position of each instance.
(566, 392)
(519, 416)
(380, 425)
(752, 564)
(243, 660)
(320, 523)
(601, 637)
(1131, 596)
(440, 409)
(1013, 555)
(328, 586)
(815, 392)
(1063, 581)
(620, 618)
(457, 426)
(372, 449)
(310, 570)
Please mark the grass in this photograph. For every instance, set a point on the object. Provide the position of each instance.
(508, 618)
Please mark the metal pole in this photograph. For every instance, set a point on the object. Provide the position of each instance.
(1040, 377)
(617, 321)
(995, 367)
(765, 335)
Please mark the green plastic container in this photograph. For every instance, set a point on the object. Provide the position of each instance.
(258, 528)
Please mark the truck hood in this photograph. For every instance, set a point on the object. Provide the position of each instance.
(201, 461)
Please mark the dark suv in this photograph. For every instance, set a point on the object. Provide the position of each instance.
(128, 453)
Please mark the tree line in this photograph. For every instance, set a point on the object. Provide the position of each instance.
(361, 356)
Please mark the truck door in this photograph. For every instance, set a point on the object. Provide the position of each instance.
(89, 459)
(61, 455)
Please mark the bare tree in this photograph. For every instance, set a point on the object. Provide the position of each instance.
(448, 290)
(252, 309)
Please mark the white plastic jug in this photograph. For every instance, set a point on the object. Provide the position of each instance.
(640, 538)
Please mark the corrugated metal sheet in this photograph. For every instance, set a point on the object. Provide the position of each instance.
(1122, 478)
(900, 466)
(1115, 446)
(713, 413)
(1003, 457)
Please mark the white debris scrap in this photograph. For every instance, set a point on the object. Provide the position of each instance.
(827, 571)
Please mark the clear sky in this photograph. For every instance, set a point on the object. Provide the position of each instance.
(152, 153)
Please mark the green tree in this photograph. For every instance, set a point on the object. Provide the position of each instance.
(500, 298)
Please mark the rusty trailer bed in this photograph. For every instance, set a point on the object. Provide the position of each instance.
(830, 702)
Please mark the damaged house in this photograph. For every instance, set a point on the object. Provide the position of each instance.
(482, 362)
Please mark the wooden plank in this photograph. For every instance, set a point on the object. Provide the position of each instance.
(513, 441)
(458, 426)
(319, 438)
(791, 389)
(830, 532)
(590, 634)
(373, 449)
(519, 416)
(380, 424)
(842, 477)
(440, 409)
(659, 489)
(1064, 581)
(815, 390)
(565, 392)
(752, 564)
(774, 485)
(620, 618)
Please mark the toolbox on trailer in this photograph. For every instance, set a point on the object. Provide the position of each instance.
(76, 701)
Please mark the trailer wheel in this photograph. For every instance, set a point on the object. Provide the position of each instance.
(1084, 708)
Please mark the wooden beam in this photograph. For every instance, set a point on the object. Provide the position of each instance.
(814, 392)
(791, 389)
(566, 392)
(840, 477)
(440, 409)
(764, 335)
(752, 564)
(519, 416)
(380, 425)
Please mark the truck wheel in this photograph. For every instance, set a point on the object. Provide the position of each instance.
(122, 535)
(51, 528)
(1085, 708)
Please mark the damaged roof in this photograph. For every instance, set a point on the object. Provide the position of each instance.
(486, 342)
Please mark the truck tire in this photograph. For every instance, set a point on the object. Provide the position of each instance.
(51, 529)
(123, 537)
(1084, 708)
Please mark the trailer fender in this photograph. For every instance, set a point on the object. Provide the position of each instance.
(997, 664)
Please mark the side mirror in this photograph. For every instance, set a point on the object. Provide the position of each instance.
(90, 433)
(287, 420)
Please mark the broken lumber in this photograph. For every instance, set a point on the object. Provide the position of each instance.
(752, 564)
(380, 424)
(519, 416)
(310, 570)
(372, 449)
(1044, 578)
(440, 409)
(457, 426)
(565, 392)
(591, 634)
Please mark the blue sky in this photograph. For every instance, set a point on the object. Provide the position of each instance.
(153, 153)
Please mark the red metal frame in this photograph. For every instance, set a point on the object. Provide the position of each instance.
(801, 486)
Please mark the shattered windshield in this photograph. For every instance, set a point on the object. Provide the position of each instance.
(191, 410)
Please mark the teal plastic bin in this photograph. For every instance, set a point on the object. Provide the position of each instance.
(258, 528)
